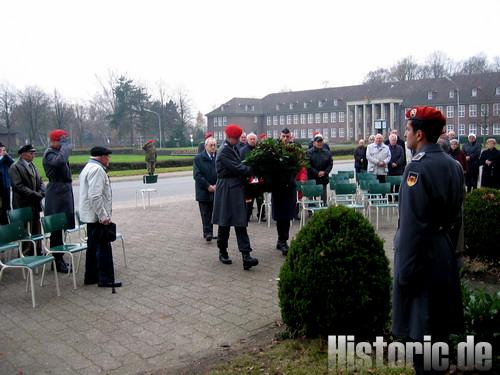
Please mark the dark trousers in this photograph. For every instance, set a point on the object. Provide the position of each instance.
(471, 178)
(99, 257)
(3, 217)
(283, 227)
(206, 209)
(260, 201)
(56, 239)
(241, 238)
(381, 178)
(324, 196)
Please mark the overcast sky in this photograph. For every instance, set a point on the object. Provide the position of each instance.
(216, 50)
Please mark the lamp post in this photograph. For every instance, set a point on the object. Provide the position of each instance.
(159, 120)
(458, 105)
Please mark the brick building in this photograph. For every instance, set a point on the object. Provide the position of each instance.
(344, 114)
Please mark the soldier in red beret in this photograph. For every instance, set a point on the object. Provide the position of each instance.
(229, 201)
(59, 193)
(426, 292)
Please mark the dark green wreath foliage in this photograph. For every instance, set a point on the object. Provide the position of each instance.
(274, 158)
(336, 277)
(482, 224)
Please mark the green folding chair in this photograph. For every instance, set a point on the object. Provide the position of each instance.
(311, 201)
(378, 197)
(56, 222)
(25, 216)
(345, 195)
(10, 238)
(350, 174)
(395, 181)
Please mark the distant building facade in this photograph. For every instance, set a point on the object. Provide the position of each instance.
(345, 114)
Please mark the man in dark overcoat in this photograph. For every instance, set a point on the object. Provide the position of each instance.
(395, 166)
(426, 291)
(205, 178)
(284, 200)
(490, 160)
(360, 161)
(5, 162)
(400, 142)
(59, 194)
(472, 151)
(229, 200)
(320, 165)
(28, 190)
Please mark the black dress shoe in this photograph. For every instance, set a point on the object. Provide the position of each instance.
(249, 261)
(61, 266)
(89, 282)
(116, 284)
(209, 237)
(224, 257)
(283, 247)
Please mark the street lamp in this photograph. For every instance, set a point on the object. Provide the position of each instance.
(159, 120)
(458, 105)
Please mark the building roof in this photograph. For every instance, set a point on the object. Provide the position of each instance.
(335, 98)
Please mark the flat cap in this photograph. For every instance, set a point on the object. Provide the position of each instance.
(26, 148)
(285, 131)
(318, 137)
(100, 151)
(233, 131)
(425, 113)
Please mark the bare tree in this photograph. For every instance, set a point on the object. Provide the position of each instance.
(60, 110)
(184, 106)
(495, 66)
(8, 103)
(34, 105)
(80, 112)
(406, 69)
(377, 76)
(437, 65)
(475, 64)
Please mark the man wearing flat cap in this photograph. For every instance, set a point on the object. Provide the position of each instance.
(28, 190)
(320, 165)
(229, 200)
(59, 194)
(95, 209)
(426, 291)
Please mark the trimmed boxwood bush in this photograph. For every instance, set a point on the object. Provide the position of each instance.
(336, 277)
(482, 224)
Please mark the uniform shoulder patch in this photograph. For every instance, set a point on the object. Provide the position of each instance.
(418, 156)
(412, 178)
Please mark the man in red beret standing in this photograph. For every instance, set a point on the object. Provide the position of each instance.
(426, 292)
(229, 201)
(59, 193)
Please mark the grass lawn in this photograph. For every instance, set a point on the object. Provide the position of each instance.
(292, 357)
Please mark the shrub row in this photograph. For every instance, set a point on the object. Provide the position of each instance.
(77, 168)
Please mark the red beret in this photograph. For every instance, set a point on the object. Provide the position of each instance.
(151, 141)
(208, 135)
(57, 134)
(233, 131)
(316, 132)
(425, 113)
(262, 136)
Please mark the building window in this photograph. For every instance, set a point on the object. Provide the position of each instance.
(333, 117)
(484, 129)
(252, 107)
(325, 118)
(496, 109)
(295, 119)
(449, 128)
(472, 110)
(255, 119)
(325, 132)
(341, 118)
(222, 108)
(474, 92)
(310, 118)
(341, 132)
(268, 121)
(296, 133)
(246, 107)
(451, 94)
(317, 117)
(449, 111)
(224, 121)
(485, 109)
(303, 118)
(439, 108)
(303, 134)
(461, 110)
(309, 133)
(215, 121)
(269, 133)
(335, 102)
(461, 129)
(275, 134)
(320, 104)
(289, 119)
(277, 107)
(473, 128)
(333, 133)
(275, 120)
(306, 104)
(290, 106)
(282, 119)
(496, 129)
(429, 95)
(349, 131)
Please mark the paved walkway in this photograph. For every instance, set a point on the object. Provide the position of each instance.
(178, 303)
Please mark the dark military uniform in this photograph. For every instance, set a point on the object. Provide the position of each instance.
(426, 294)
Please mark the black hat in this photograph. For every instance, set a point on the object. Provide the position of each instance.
(100, 151)
(26, 148)
(318, 137)
(285, 131)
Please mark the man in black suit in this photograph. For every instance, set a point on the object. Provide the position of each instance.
(28, 189)
(205, 178)
(399, 142)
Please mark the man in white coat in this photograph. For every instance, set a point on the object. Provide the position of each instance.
(378, 156)
(95, 210)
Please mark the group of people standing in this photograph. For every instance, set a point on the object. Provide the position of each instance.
(28, 190)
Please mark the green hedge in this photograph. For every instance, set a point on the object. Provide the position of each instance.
(77, 168)
(336, 277)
